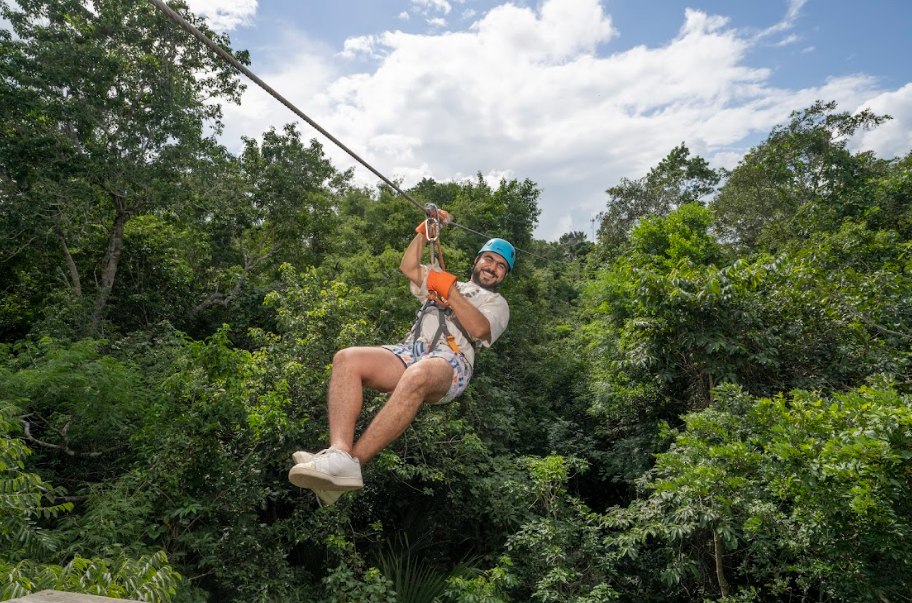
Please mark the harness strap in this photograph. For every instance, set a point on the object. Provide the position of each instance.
(442, 330)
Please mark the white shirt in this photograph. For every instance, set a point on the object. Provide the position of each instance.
(492, 305)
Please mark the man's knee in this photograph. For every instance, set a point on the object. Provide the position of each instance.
(374, 366)
(428, 376)
(344, 356)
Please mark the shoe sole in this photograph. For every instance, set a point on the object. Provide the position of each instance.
(305, 477)
(326, 497)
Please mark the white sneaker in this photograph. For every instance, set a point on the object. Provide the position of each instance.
(326, 497)
(301, 456)
(329, 469)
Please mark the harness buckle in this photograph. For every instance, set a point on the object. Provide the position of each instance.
(452, 343)
(438, 299)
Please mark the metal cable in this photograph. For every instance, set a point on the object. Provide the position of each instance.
(221, 52)
(174, 16)
(467, 229)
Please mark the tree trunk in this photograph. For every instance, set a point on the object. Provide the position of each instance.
(75, 281)
(720, 571)
(110, 261)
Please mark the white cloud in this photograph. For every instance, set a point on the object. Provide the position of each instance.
(540, 94)
(432, 6)
(395, 146)
(525, 92)
(788, 40)
(788, 22)
(221, 15)
(565, 224)
(410, 173)
(301, 78)
(359, 46)
(894, 138)
(224, 15)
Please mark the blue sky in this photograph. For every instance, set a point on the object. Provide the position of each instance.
(572, 94)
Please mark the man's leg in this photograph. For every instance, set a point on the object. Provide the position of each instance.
(353, 369)
(334, 469)
(427, 380)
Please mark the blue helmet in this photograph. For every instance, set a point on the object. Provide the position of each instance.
(501, 248)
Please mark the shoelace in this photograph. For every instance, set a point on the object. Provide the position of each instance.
(331, 450)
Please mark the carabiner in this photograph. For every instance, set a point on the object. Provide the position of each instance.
(429, 224)
(432, 222)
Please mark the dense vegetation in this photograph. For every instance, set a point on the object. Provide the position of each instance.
(709, 402)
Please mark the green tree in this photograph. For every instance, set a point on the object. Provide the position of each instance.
(575, 245)
(277, 203)
(27, 502)
(890, 199)
(801, 179)
(509, 211)
(677, 314)
(80, 406)
(677, 180)
(294, 190)
(25, 497)
(766, 499)
(659, 325)
(102, 109)
(148, 578)
(555, 555)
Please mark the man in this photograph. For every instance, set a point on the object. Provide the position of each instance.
(432, 365)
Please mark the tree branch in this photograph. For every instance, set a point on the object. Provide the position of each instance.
(217, 298)
(70, 263)
(27, 428)
(111, 260)
(720, 570)
(868, 320)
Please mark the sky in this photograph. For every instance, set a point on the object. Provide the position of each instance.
(572, 94)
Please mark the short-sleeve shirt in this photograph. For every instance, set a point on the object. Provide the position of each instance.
(491, 304)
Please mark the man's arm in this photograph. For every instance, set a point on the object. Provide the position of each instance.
(411, 260)
(471, 319)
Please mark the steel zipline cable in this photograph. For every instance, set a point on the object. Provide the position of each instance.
(227, 56)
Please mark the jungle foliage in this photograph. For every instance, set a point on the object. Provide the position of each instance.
(709, 402)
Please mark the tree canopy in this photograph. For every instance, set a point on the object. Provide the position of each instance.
(709, 402)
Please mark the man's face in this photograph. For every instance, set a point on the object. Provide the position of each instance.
(490, 269)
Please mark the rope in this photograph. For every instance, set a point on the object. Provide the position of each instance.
(228, 57)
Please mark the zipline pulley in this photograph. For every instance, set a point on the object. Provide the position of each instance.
(434, 220)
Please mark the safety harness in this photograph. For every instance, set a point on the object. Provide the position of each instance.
(435, 303)
(443, 331)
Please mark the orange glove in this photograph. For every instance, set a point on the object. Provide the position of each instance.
(440, 282)
(442, 216)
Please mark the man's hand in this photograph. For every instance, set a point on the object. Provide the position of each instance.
(440, 282)
(442, 216)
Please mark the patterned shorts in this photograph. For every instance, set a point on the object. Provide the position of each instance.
(410, 353)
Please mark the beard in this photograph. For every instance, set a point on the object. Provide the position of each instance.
(476, 278)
